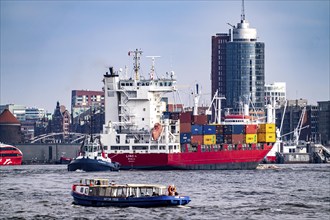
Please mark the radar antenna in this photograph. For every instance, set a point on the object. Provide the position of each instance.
(152, 73)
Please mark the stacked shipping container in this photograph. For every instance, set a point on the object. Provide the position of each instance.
(266, 133)
(195, 130)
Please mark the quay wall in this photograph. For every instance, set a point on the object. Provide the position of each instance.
(47, 153)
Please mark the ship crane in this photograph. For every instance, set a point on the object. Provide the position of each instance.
(296, 132)
(152, 73)
(216, 101)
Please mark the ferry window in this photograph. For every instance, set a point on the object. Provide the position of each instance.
(105, 147)
(133, 192)
(81, 190)
(144, 109)
(121, 192)
(147, 84)
(108, 191)
(102, 191)
(161, 84)
(131, 84)
(142, 119)
(138, 83)
(170, 84)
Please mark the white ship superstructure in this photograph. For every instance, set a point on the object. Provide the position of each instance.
(132, 107)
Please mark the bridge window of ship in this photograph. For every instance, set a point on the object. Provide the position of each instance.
(153, 147)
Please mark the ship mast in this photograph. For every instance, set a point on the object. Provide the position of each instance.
(152, 73)
(137, 55)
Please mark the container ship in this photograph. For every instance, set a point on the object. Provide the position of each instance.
(140, 134)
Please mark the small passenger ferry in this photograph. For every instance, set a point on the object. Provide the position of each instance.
(99, 192)
(10, 155)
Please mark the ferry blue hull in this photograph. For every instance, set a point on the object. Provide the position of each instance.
(152, 201)
(91, 165)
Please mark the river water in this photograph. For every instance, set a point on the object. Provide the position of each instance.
(300, 191)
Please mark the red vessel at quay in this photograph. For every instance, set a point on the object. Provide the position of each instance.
(140, 134)
(10, 155)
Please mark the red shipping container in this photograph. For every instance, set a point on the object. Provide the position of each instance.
(185, 117)
(251, 129)
(185, 127)
(196, 139)
(199, 119)
(238, 139)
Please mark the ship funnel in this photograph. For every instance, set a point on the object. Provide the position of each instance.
(111, 70)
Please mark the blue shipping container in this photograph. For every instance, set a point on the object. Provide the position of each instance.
(234, 129)
(208, 129)
(219, 139)
(196, 129)
(185, 138)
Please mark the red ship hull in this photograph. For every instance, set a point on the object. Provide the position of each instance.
(5, 161)
(10, 155)
(213, 160)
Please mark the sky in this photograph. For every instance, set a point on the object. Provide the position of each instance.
(49, 48)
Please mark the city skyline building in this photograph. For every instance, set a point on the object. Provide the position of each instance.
(276, 92)
(238, 66)
(83, 100)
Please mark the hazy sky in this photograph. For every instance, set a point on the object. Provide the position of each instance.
(49, 48)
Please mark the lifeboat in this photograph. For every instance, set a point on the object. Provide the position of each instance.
(156, 131)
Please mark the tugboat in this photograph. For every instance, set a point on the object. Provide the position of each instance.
(98, 192)
(92, 158)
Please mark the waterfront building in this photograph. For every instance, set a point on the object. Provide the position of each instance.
(17, 110)
(10, 128)
(34, 114)
(219, 65)
(83, 104)
(324, 122)
(83, 100)
(295, 111)
(61, 122)
(276, 92)
(238, 69)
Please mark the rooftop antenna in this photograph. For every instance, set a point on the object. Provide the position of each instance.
(137, 54)
(152, 73)
(243, 13)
